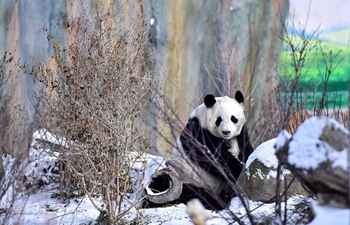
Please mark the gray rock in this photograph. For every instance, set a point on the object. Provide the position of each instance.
(259, 179)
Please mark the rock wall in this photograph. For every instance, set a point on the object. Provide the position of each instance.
(200, 47)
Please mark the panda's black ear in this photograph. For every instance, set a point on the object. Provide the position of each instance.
(209, 101)
(239, 97)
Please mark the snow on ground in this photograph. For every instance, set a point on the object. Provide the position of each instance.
(43, 207)
(176, 215)
(327, 215)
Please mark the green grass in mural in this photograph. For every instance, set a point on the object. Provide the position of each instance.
(315, 66)
(340, 37)
(314, 70)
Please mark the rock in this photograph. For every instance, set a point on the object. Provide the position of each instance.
(259, 180)
(317, 154)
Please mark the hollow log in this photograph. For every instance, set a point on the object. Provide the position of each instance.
(317, 154)
(165, 186)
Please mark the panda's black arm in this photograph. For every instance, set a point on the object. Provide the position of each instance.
(244, 144)
(196, 141)
(190, 136)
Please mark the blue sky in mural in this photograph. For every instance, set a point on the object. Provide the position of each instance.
(327, 15)
(328, 21)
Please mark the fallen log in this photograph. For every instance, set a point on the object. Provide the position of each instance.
(317, 154)
(165, 186)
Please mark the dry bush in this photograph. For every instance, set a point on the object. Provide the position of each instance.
(98, 87)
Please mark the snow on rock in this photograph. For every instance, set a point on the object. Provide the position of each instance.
(282, 138)
(339, 159)
(265, 153)
(307, 151)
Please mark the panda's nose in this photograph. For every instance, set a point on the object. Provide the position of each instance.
(226, 132)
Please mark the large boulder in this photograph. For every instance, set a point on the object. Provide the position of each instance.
(317, 154)
(259, 180)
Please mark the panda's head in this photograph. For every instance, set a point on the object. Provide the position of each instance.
(223, 116)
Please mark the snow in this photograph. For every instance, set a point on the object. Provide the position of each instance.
(44, 134)
(271, 174)
(41, 208)
(339, 159)
(328, 215)
(265, 153)
(307, 151)
(176, 215)
(282, 138)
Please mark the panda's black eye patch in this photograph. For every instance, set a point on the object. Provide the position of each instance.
(234, 119)
(218, 121)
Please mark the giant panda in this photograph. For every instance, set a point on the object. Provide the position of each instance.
(211, 151)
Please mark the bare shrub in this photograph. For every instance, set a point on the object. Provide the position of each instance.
(98, 87)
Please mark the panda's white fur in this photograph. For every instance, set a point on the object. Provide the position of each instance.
(206, 136)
